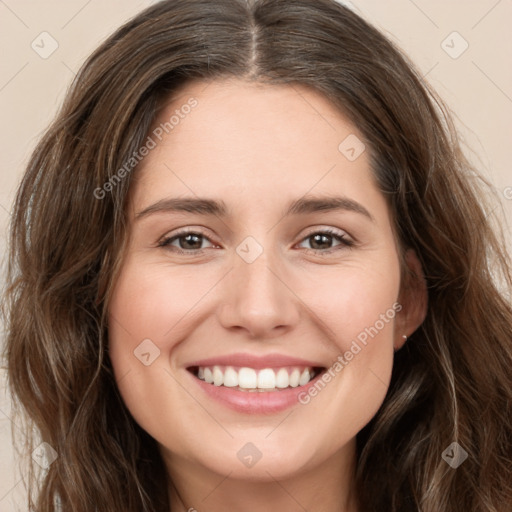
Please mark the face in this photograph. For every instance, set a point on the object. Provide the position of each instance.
(261, 256)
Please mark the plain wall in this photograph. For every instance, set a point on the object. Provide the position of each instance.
(477, 85)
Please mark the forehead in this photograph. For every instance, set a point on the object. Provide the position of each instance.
(226, 111)
(230, 136)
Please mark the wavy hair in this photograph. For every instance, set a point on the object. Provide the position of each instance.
(452, 380)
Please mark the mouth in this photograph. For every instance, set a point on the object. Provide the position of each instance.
(255, 384)
(256, 380)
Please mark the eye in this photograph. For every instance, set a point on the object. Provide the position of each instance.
(185, 242)
(191, 242)
(321, 241)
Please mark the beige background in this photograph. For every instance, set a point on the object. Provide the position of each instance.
(477, 85)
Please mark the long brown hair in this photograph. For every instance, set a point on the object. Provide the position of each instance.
(452, 380)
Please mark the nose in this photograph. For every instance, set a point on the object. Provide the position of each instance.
(258, 299)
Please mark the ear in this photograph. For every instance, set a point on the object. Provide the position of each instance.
(413, 298)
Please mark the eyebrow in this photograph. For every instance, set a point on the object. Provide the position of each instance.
(301, 206)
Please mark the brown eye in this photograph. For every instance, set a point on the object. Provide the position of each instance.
(322, 241)
(191, 241)
(186, 241)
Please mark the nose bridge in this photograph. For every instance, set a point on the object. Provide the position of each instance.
(256, 298)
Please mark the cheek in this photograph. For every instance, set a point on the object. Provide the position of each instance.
(353, 302)
(149, 303)
(357, 307)
(150, 311)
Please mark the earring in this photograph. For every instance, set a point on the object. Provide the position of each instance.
(405, 338)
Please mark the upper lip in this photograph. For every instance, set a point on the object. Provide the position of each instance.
(257, 362)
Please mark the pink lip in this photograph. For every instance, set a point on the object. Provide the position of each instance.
(256, 362)
(268, 402)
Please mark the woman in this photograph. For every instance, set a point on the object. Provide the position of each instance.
(250, 268)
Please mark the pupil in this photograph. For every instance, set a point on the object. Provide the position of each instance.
(321, 239)
(189, 240)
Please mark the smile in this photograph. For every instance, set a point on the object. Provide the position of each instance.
(252, 384)
(255, 380)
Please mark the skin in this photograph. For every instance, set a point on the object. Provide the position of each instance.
(258, 147)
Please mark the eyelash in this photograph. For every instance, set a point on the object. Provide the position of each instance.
(344, 242)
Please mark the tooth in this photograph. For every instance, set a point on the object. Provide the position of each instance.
(208, 376)
(282, 380)
(218, 376)
(294, 378)
(304, 378)
(253, 380)
(230, 377)
(247, 378)
(266, 379)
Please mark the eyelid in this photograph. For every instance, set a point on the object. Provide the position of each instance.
(330, 230)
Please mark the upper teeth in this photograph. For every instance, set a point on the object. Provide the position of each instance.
(249, 378)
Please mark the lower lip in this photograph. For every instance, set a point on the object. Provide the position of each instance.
(255, 402)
